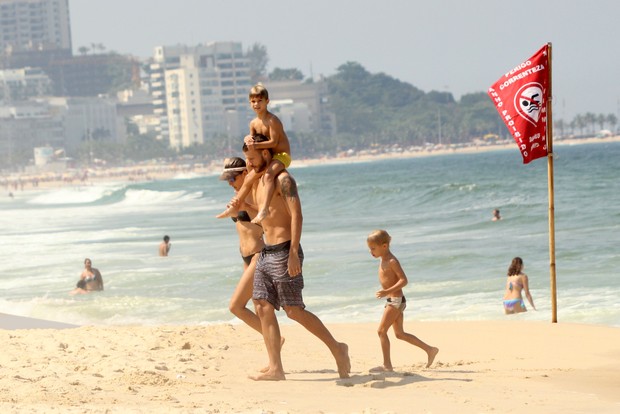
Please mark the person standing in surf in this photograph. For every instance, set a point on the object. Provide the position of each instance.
(90, 279)
(496, 215)
(164, 246)
(516, 282)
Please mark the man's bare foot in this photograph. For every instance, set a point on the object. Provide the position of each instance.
(260, 217)
(343, 361)
(381, 368)
(431, 356)
(263, 370)
(269, 376)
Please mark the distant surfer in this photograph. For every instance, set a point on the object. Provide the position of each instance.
(90, 280)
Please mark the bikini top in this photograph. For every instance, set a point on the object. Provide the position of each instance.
(241, 216)
(517, 283)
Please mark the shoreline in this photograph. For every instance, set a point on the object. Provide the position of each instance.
(197, 369)
(144, 173)
(473, 149)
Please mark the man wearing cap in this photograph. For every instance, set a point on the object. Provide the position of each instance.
(278, 279)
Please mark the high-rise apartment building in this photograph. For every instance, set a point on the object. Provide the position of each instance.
(34, 25)
(200, 93)
(184, 109)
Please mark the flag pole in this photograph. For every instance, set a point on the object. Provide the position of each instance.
(554, 311)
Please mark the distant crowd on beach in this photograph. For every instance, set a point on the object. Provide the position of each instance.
(21, 182)
(84, 176)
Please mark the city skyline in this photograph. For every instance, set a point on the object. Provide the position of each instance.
(445, 46)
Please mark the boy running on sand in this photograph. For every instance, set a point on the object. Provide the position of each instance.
(393, 280)
(270, 126)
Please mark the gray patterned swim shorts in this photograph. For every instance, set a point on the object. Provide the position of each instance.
(272, 281)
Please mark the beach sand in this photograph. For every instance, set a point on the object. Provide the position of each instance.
(510, 366)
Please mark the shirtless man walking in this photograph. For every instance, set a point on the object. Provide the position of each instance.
(278, 279)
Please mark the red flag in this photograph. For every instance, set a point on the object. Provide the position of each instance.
(520, 97)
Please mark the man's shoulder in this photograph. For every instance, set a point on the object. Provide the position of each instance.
(286, 183)
(285, 175)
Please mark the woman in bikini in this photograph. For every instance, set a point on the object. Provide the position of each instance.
(517, 281)
(250, 243)
(90, 279)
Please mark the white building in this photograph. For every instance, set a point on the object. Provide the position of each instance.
(91, 119)
(183, 105)
(57, 122)
(27, 125)
(200, 93)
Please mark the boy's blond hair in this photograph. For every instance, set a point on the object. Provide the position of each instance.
(259, 91)
(379, 237)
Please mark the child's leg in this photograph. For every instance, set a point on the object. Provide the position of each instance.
(274, 168)
(390, 314)
(400, 333)
(241, 195)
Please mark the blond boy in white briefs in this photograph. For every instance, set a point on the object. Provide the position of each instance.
(393, 280)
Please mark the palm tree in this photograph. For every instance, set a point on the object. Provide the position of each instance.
(601, 119)
(612, 120)
(560, 125)
(579, 122)
(590, 120)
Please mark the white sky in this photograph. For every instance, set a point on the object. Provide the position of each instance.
(459, 46)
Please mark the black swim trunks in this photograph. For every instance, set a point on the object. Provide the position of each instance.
(272, 281)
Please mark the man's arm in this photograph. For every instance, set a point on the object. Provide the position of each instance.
(288, 188)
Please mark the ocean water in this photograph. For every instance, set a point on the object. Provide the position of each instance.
(437, 209)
